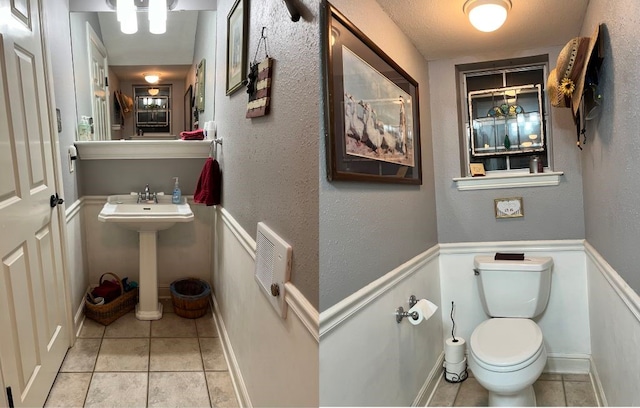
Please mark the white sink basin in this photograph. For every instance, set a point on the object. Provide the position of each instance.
(124, 210)
(147, 219)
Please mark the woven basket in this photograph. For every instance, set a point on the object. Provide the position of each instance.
(190, 297)
(110, 312)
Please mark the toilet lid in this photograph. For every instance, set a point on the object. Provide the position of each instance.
(506, 341)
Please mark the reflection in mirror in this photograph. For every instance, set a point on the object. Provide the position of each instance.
(112, 94)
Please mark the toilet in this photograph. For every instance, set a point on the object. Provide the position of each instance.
(506, 352)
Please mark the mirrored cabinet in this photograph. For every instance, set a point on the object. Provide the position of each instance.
(506, 121)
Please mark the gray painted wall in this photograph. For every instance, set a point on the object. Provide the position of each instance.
(610, 161)
(56, 16)
(205, 47)
(367, 229)
(270, 164)
(465, 216)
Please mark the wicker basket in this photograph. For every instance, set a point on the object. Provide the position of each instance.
(110, 312)
(190, 297)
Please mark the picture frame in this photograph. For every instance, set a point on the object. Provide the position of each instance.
(477, 169)
(511, 207)
(371, 115)
(188, 109)
(200, 85)
(237, 34)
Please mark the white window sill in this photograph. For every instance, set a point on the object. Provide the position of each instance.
(508, 180)
(143, 149)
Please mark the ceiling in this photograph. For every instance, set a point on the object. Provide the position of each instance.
(440, 30)
(135, 73)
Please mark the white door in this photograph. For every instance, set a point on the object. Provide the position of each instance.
(98, 71)
(34, 332)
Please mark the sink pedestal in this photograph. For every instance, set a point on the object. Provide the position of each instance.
(148, 307)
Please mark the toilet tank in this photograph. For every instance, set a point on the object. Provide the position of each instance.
(514, 288)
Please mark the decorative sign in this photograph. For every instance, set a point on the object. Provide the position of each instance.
(259, 88)
(509, 207)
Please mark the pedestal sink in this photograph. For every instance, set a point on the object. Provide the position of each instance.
(147, 218)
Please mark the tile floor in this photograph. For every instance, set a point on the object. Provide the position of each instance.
(132, 363)
(552, 390)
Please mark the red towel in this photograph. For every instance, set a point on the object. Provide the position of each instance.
(209, 184)
(192, 135)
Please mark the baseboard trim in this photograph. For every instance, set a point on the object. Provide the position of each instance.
(622, 289)
(298, 303)
(341, 311)
(530, 246)
(429, 388)
(568, 363)
(242, 394)
(78, 318)
(597, 386)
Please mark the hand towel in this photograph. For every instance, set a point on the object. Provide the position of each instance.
(209, 184)
(192, 135)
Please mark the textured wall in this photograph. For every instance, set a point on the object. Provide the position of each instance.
(368, 229)
(610, 161)
(270, 164)
(205, 47)
(56, 24)
(464, 216)
(81, 58)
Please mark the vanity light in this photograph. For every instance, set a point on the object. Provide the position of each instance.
(127, 16)
(157, 16)
(487, 15)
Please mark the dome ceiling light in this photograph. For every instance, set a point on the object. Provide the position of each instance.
(487, 15)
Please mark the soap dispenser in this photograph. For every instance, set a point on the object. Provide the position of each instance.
(177, 194)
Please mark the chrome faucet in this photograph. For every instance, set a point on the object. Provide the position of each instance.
(147, 195)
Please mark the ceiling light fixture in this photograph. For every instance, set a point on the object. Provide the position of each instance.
(153, 91)
(152, 78)
(127, 16)
(487, 15)
(157, 16)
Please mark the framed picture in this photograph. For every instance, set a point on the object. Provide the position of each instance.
(188, 109)
(477, 169)
(509, 207)
(237, 33)
(200, 81)
(371, 108)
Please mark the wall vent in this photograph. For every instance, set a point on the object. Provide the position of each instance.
(273, 267)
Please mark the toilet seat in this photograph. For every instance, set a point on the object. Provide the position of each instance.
(506, 344)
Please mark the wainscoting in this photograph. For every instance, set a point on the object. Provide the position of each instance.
(76, 261)
(273, 362)
(591, 325)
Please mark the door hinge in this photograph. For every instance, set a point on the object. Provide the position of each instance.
(10, 397)
(106, 81)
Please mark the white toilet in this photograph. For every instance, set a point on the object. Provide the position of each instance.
(506, 352)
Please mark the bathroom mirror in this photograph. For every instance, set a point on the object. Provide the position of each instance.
(110, 68)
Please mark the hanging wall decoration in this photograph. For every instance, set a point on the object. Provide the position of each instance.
(259, 82)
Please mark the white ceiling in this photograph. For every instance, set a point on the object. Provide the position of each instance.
(440, 30)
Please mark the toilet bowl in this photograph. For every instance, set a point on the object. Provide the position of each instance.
(506, 356)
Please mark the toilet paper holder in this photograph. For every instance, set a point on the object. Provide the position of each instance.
(401, 314)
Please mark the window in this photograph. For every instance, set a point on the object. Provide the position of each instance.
(153, 109)
(503, 114)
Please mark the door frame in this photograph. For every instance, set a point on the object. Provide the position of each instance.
(60, 210)
(92, 38)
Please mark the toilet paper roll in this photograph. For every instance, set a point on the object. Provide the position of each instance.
(455, 372)
(425, 310)
(454, 351)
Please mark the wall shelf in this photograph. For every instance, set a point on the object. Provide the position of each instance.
(143, 149)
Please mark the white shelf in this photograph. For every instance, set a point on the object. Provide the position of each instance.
(143, 149)
(508, 180)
